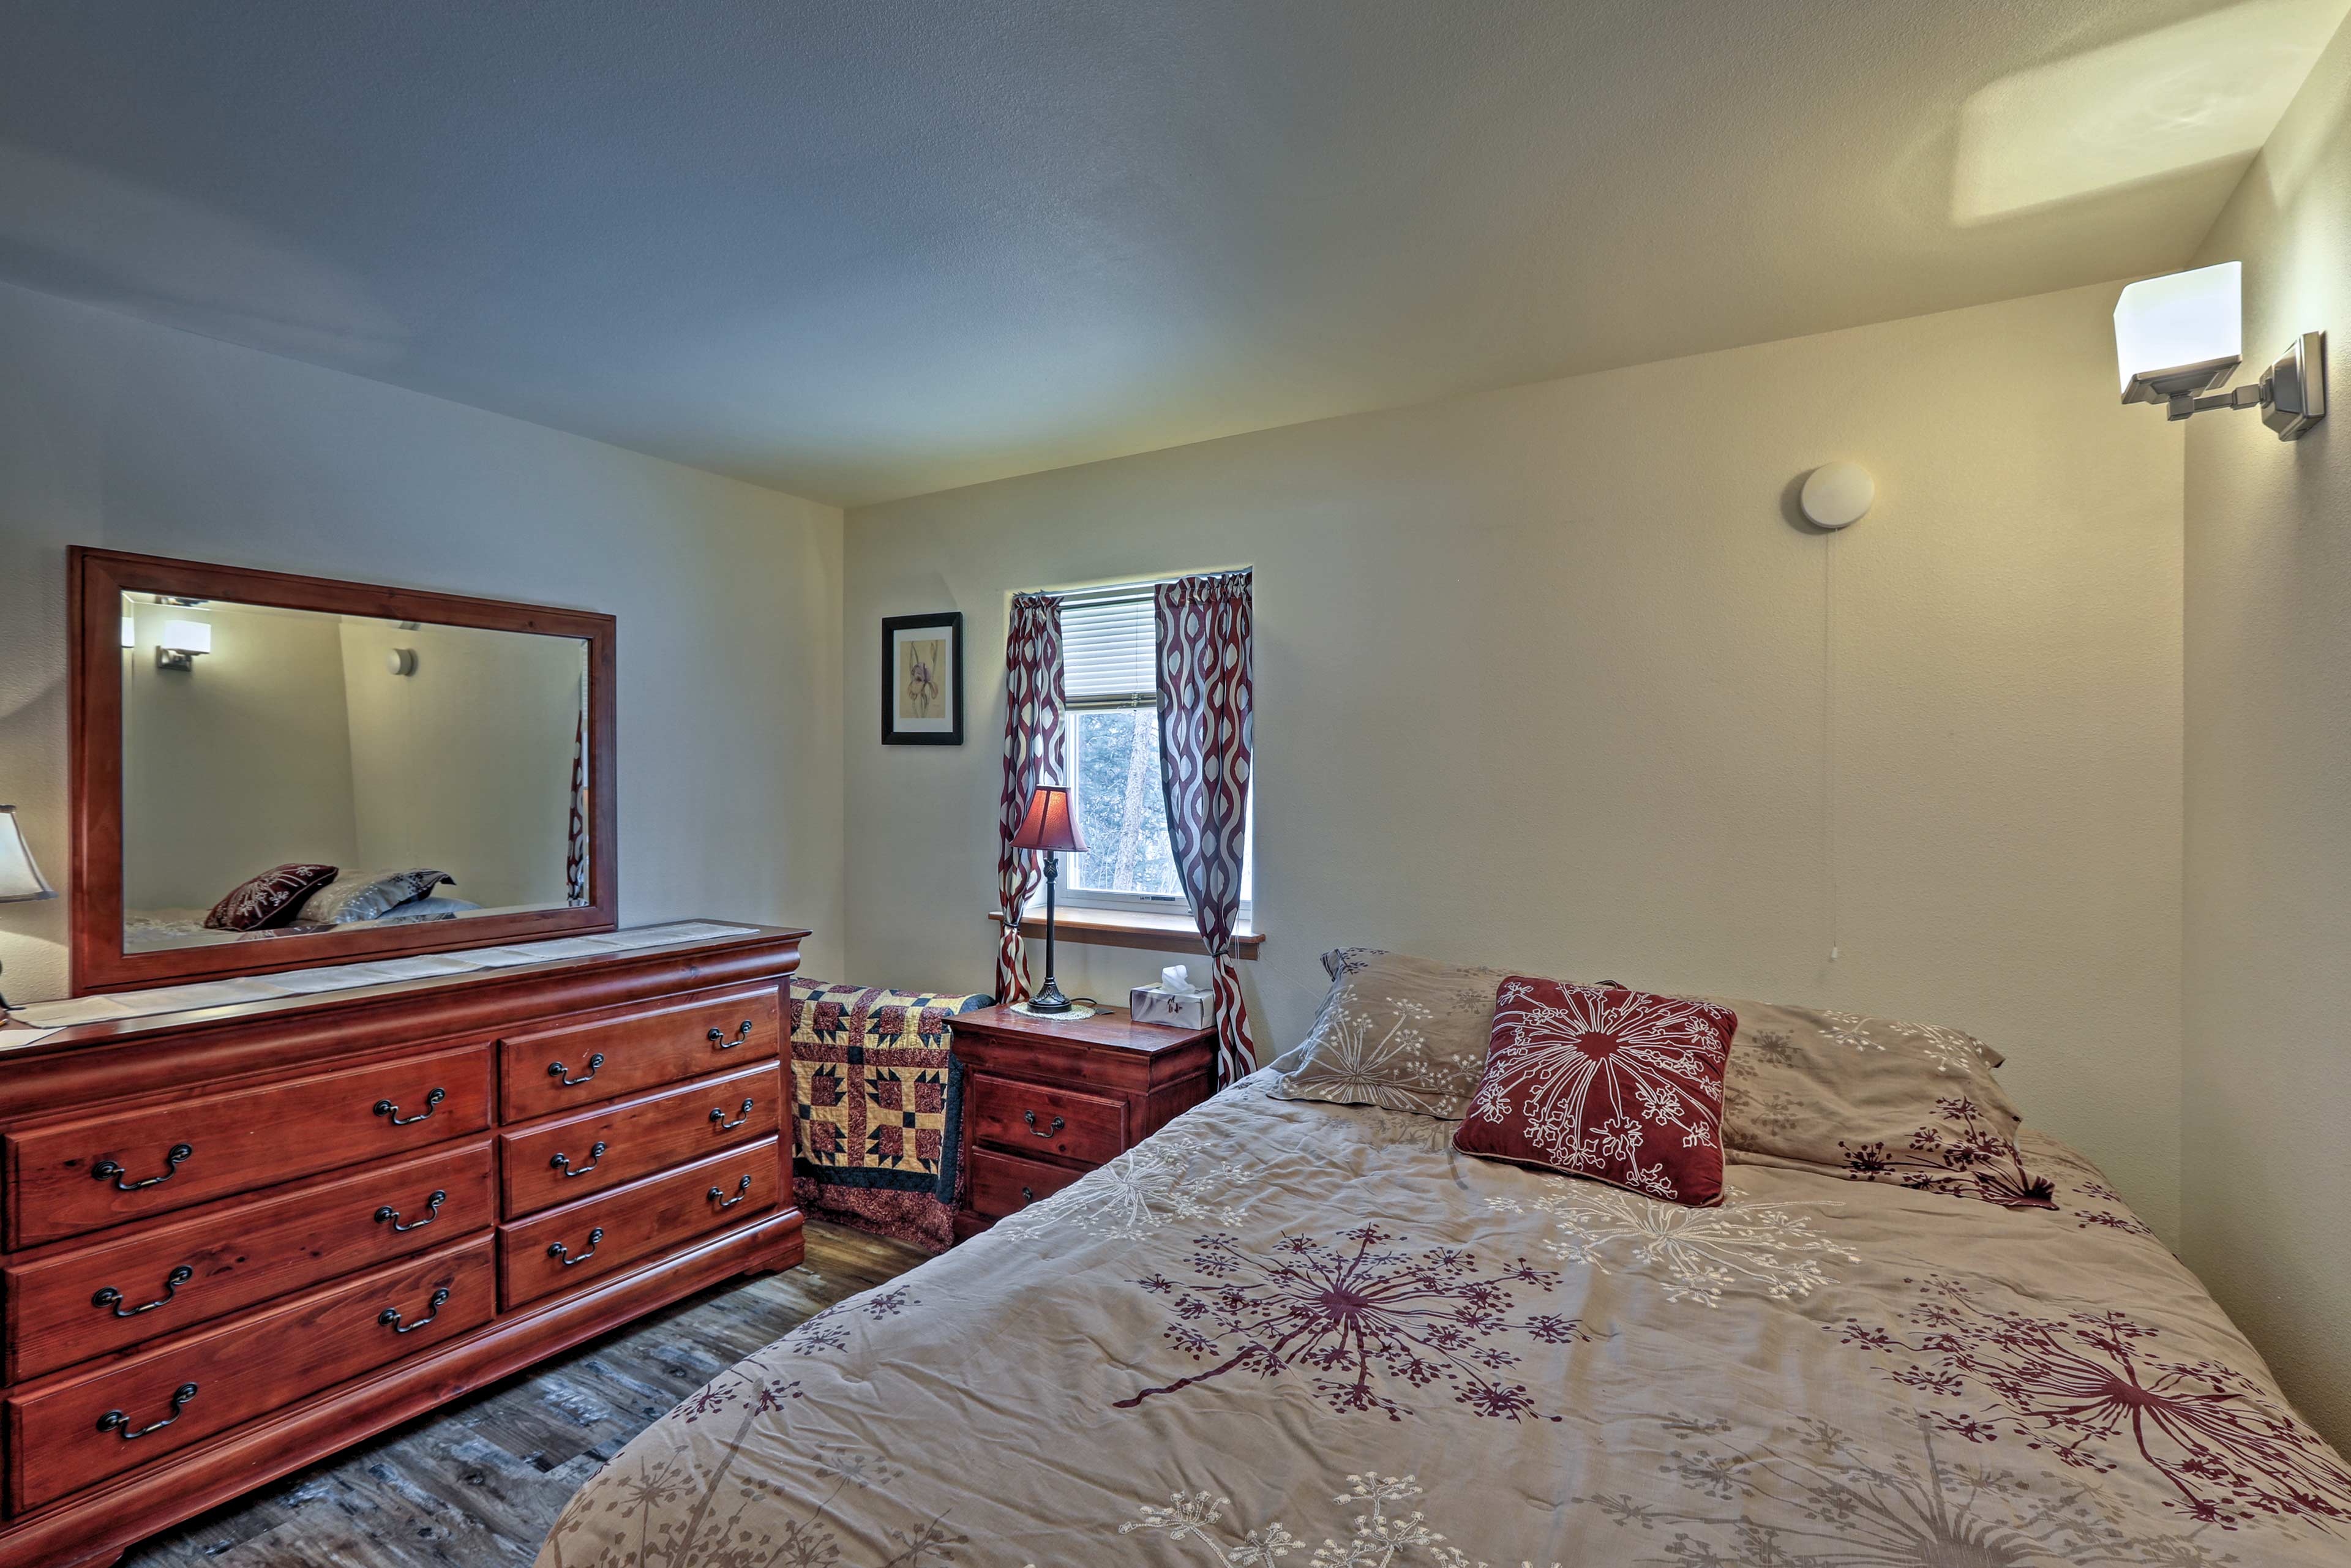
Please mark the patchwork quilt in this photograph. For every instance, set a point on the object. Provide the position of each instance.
(877, 1108)
(1289, 1334)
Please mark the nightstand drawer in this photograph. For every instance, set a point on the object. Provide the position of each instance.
(1002, 1184)
(1029, 1120)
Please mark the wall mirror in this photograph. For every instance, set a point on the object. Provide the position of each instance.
(272, 772)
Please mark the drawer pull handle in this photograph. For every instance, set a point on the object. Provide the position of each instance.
(110, 1296)
(106, 1170)
(562, 1074)
(1027, 1195)
(389, 1215)
(742, 1191)
(719, 1117)
(1030, 1117)
(116, 1422)
(390, 1316)
(743, 1032)
(562, 1163)
(562, 1254)
(390, 1110)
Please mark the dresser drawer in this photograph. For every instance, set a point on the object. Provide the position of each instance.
(564, 1066)
(1004, 1184)
(66, 1176)
(134, 1411)
(160, 1278)
(582, 1242)
(1029, 1120)
(561, 1162)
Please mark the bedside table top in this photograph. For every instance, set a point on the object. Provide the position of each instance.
(1110, 1029)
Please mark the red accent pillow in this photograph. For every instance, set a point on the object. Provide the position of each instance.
(1597, 1081)
(266, 899)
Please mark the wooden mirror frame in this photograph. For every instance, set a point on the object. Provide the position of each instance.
(96, 580)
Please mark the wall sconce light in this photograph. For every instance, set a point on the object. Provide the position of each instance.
(2179, 337)
(400, 661)
(183, 641)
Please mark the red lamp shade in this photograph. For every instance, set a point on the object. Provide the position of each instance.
(1050, 824)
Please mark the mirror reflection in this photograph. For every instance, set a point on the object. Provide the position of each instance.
(291, 771)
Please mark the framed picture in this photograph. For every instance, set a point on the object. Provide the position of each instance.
(922, 680)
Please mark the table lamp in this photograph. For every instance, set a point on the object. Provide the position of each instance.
(1052, 826)
(20, 877)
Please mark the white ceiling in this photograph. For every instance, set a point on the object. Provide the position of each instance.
(866, 249)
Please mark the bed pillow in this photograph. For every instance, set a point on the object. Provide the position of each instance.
(1408, 1034)
(1623, 1086)
(366, 894)
(417, 909)
(1876, 1099)
(269, 899)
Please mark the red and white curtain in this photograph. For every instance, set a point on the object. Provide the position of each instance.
(1205, 700)
(1032, 756)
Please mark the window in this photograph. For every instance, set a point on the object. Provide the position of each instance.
(1110, 684)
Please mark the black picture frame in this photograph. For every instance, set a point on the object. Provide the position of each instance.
(951, 622)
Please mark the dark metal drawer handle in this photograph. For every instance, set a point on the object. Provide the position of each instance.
(110, 1296)
(719, 1117)
(391, 1110)
(106, 1170)
(1028, 1195)
(743, 1032)
(388, 1215)
(390, 1316)
(562, 1074)
(116, 1422)
(562, 1254)
(562, 1163)
(1030, 1117)
(742, 1191)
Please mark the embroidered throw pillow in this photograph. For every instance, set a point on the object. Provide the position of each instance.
(1601, 1081)
(364, 895)
(1408, 1034)
(270, 898)
(1877, 1099)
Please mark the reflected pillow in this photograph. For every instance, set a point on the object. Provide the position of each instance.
(1622, 1086)
(417, 909)
(1405, 1033)
(269, 899)
(1877, 1100)
(366, 894)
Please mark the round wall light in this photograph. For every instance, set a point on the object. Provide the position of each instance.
(1837, 494)
(400, 661)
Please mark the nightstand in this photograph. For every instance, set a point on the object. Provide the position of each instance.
(1044, 1102)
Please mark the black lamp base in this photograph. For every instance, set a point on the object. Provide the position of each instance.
(1049, 998)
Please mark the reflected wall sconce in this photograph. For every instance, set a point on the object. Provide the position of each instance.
(400, 661)
(183, 643)
(1837, 495)
(2179, 337)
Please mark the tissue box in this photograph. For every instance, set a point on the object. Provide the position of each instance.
(1179, 1010)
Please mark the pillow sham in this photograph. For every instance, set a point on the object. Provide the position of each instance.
(1404, 1033)
(1877, 1099)
(1623, 1086)
(269, 899)
(365, 894)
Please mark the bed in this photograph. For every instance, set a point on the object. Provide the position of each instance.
(1286, 1331)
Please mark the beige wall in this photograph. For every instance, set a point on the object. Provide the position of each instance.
(115, 431)
(2268, 980)
(1541, 681)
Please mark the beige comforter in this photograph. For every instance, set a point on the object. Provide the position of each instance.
(1301, 1333)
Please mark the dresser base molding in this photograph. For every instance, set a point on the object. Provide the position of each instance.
(96, 1527)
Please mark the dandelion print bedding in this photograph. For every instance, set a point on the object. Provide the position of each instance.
(1288, 1331)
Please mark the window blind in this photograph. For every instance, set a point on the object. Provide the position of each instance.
(1110, 646)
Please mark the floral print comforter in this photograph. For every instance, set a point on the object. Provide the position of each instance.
(1295, 1332)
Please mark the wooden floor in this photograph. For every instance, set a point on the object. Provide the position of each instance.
(479, 1482)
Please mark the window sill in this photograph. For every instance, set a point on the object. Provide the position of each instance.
(1155, 933)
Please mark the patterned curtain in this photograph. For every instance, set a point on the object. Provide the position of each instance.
(1032, 756)
(1205, 700)
(575, 858)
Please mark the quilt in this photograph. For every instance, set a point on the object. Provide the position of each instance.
(1294, 1332)
(877, 1102)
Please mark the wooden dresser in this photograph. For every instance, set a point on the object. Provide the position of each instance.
(237, 1240)
(1045, 1103)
